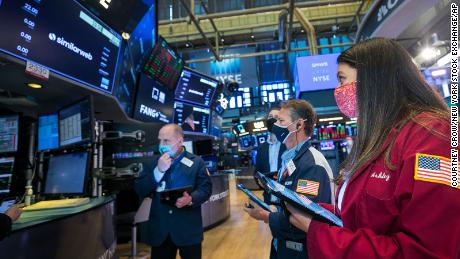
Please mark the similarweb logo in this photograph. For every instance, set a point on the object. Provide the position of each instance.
(70, 46)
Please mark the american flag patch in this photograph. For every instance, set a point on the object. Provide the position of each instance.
(435, 169)
(308, 187)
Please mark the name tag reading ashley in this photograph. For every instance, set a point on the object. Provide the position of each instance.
(186, 162)
(290, 166)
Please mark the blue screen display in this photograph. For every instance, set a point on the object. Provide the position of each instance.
(66, 173)
(62, 36)
(48, 132)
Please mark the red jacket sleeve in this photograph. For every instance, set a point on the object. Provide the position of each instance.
(328, 206)
(428, 225)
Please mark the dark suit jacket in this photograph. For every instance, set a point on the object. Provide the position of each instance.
(310, 165)
(5, 225)
(184, 225)
(263, 162)
(263, 159)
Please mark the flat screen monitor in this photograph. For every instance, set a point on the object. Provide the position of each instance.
(48, 132)
(326, 145)
(257, 126)
(210, 162)
(196, 88)
(6, 175)
(62, 36)
(9, 133)
(245, 142)
(241, 129)
(216, 124)
(189, 146)
(66, 173)
(163, 64)
(192, 118)
(154, 102)
(133, 56)
(203, 147)
(315, 73)
(76, 123)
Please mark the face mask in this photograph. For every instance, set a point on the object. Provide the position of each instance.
(345, 97)
(282, 132)
(167, 148)
(270, 122)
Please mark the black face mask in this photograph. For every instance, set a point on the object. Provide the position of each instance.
(270, 122)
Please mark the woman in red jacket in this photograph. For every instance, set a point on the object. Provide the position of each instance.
(395, 196)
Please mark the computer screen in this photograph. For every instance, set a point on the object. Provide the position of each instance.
(192, 118)
(257, 126)
(163, 64)
(6, 174)
(76, 123)
(64, 37)
(211, 163)
(203, 147)
(66, 173)
(48, 132)
(326, 145)
(154, 102)
(196, 88)
(9, 131)
(245, 142)
(189, 146)
(241, 129)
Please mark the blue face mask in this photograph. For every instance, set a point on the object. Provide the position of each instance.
(167, 148)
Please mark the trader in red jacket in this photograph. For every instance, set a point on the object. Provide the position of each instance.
(395, 196)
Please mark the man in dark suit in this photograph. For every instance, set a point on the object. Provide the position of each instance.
(179, 226)
(268, 157)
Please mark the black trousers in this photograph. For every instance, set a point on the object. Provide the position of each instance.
(168, 250)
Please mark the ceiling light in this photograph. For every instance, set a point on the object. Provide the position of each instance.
(187, 45)
(35, 86)
(439, 72)
(252, 37)
(430, 53)
(445, 60)
(125, 35)
(331, 119)
(222, 40)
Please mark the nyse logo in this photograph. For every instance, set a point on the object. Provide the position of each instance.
(105, 3)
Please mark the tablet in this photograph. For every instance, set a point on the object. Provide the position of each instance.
(170, 196)
(299, 201)
(254, 198)
(6, 204)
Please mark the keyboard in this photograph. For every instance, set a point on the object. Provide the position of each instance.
(57, 204)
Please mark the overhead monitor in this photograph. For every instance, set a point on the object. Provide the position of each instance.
(9, 131)
(76, 123)
(192, 118)
(163, 64)
(245, 142)
(133, 56)
(257, 126)
(203, 147)
(196, 88)
(67, 173)
(241, 129)
(315, 73)
(326, 145)
(62, 36)
(48, 132)
(6, 175)
(154, 102)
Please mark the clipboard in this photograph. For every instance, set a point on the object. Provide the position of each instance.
(253, 197)
(299, 201)
(170, 196)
